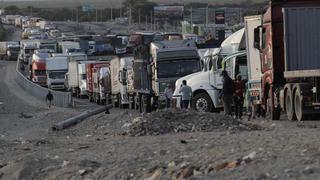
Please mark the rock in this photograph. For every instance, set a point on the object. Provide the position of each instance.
(156, 175)
(3, 165)
(25, 116)
(83, 147)
(65, 163)
(163, 152)
(249, 157)
(1, 174)
(88, 163)
(83, 172)
(185, 172)
(183, 142)
(308, 170)
(263, 176)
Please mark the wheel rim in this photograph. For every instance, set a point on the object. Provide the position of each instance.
(202, 105)
(289, 106)
(298, 106)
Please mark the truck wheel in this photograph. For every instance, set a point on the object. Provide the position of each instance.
(271, 112)
(298, 104)
(289, 105)
(202, 103)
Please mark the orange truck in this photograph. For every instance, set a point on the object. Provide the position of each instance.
(38, 68)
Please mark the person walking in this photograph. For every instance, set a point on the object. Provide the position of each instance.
(227, 92)
(49, 98)
(186, 93)
(168, 94)
(238, 97)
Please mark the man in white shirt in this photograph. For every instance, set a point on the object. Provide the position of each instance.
(186, 93)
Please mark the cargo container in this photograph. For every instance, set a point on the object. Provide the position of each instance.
(288, 43)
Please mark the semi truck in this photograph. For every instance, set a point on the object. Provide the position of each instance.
(254, 65)
(161, 65)
(56, 68)
(26, 52)
(288, 43)
(207, 84)
(9, 50)
(93, 84)
(120, 66)
(37, 69)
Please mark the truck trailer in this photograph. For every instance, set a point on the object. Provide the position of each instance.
(9, 50)
(288, 43)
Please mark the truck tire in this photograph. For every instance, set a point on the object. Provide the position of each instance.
(271, 112)
(202, 103)
(289, 105)
(298, 104)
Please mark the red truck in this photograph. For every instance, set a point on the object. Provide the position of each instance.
(288, 40)
(38, 68)
(96, 75)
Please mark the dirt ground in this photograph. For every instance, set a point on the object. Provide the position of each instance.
(101, 147)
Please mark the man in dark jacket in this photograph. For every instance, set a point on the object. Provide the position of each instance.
(227, 93)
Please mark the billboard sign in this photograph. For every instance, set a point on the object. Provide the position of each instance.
(88, 8)
(168, 13)
(220, 17)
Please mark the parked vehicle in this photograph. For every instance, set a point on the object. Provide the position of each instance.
(119, 80)
(76, 78)
(38, 69)
(56, 68)
(207, 84)
(65, 45)
(253, 61)
(9, 50)
(26, 52)
(287, 40)
(166, 62)
(92, 71)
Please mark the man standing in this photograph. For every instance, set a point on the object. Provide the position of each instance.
(168, 93)
(186, 93)
(227, 92)
(49, 99)
(238, 98)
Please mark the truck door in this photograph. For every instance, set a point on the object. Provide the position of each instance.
(215, 72)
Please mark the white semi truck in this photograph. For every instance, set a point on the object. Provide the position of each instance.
(207, 84)
(120, 66)
(56, 68)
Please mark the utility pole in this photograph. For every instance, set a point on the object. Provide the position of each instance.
(96, 14)
(130, 16)
(207, 15)
(151, 22)
(146, 22)
(111, 15)
(139, 16)
(77, 15)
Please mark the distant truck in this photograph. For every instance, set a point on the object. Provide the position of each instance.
(64, 46)
(56, 68)
(254, 63)
(120, 66)
(26, 52)
(9, 50)
(159, 66)
(288, 41)
(93, 84)
(37, 69)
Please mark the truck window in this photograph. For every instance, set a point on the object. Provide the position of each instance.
(242, 68)
(40, 72)
(264, 38)
(178, 68)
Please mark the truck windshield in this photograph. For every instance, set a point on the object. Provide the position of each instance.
(39, 72)
(57, 75)
(179, 68)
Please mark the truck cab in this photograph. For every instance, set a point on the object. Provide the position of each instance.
(38, 68)
(56, 68)
(26, 52)
(207, 84)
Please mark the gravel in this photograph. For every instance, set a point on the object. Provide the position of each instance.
(181, 121)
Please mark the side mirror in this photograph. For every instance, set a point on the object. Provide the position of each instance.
(257, 38)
